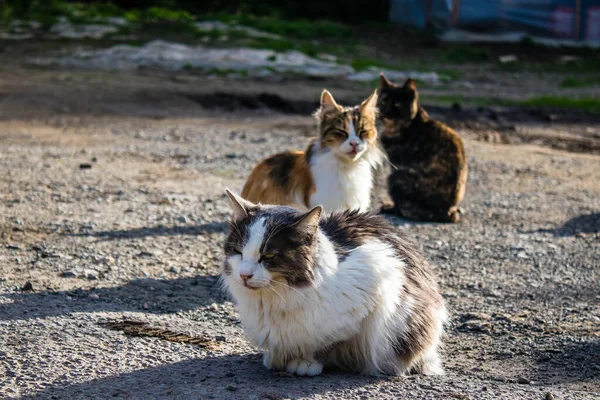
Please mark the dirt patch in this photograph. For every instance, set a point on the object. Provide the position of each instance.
(239, 102)
(143, 329)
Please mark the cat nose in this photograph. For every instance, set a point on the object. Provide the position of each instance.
(245, 278)
(353, 143)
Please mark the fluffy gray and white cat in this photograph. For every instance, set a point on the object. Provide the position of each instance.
(346, 290)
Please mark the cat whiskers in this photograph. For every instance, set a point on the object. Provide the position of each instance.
(290, 287)
(272, 288)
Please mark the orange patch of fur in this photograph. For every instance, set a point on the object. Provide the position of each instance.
(261, 187)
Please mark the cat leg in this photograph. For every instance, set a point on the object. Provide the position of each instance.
(431, 363)
(388, 208)
(304, 367)
(452, 215)
(268, 360)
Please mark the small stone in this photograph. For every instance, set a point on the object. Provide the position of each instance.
(522, 254)
(13, 247)
(145, 306)
(229, 374)
(182, 219)
(523, 381)
(27, 287)
(220, 338)
(174, 269)
(90, 274)
(231, 388)
(85, 166)
(549, 396)
(94, 296)
(231, 156)
(69, 274)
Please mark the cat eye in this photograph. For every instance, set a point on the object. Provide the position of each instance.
(338, 133)
(267, 256)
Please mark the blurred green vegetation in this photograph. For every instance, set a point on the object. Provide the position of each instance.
(580, 82)
(307, 11)
(548, 102)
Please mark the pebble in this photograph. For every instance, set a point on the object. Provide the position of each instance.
(72, 273)
(85, 166)
(90, 274)
(522, 254)
(524, 381)
(231, 388)
(27, 287)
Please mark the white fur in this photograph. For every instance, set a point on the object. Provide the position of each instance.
(346, 147)
(248, 262)
(340, 183)
(355, 301)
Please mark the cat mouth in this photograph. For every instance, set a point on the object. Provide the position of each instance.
(247, 286)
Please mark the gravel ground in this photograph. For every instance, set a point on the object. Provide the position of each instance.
(112, 207)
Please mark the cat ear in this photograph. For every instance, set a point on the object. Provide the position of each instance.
(384, 83)
(328, 103)
(410, 84)
(239, 206)
(369, 105)
(310, 221)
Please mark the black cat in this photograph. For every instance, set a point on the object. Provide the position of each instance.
(430, 158)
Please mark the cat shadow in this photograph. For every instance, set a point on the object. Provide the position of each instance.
(152, 296)
(160, 230)
(404, 222)
(217, 377)
(572, 362)
(585, 223)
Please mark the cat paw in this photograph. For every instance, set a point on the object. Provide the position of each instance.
(268, 361)
(302, 367)
(432, 365)
(387, 208)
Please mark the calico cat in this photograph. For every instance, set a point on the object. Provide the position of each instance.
(431, 165)
(336, 171)
(345, 290)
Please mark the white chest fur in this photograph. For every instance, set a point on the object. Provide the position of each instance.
(341, 185)
(345, 298)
